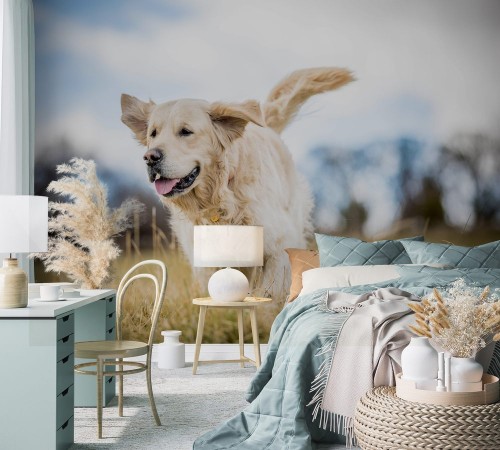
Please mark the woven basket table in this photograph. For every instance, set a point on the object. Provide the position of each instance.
(384, 421)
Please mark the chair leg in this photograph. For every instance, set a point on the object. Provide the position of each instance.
(120, 391)
(150, 393)
(99, 370)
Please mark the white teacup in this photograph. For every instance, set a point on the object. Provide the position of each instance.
(50, 292)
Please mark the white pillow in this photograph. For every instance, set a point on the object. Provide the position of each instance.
(345, 276)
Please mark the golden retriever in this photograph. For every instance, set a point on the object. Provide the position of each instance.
(225, 163)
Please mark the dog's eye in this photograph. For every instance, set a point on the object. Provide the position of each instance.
(185, 132)
(153, 133)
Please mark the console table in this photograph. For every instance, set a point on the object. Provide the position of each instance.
(38, 388)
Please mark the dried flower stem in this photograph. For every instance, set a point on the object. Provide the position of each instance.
(462, 321)
(82, 230)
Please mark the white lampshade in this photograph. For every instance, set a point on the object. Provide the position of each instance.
(23, 223)
(228, 246)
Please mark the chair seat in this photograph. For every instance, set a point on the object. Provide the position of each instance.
(95, 349)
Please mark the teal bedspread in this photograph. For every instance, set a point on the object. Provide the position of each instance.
(277, 417)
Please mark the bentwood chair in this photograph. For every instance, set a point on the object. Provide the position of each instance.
(111, 353)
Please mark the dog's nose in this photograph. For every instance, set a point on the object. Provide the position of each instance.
(153, 156)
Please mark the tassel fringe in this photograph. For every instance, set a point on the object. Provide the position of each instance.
(330, 332)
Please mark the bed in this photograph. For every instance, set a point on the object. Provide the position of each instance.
(287, 394)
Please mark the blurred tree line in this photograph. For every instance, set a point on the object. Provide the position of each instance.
(449, 192)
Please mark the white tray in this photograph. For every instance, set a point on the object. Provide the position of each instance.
(407, 390)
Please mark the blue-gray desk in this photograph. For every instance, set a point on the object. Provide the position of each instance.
(38, 388)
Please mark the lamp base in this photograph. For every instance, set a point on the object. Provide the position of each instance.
(228, 285)
(13, 285)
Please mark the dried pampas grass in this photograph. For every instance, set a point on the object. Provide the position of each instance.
(82, 229)
(462, 320)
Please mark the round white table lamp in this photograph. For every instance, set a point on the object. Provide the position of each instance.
(228, 246)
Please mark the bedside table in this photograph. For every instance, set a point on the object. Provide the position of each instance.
(384, 421)
(250, 304)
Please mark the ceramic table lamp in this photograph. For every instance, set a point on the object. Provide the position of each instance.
(228, 246)
(23, 229)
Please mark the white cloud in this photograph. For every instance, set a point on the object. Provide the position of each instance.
(448, 54)
(113, 147)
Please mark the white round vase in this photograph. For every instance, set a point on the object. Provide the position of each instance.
(419, 362)
(465, 374)
(171, 352)
(228, 285)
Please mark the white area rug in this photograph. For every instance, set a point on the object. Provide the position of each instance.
(188, 406)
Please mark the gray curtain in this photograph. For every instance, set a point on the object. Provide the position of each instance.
(17, 96)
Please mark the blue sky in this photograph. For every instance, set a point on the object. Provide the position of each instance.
(424, 68)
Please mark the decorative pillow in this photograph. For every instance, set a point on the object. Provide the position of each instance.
(345, 251)
(345, 276)
(433, 276)
(300, 260)
(486, 255)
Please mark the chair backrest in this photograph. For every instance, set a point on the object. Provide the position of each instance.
(160, 287)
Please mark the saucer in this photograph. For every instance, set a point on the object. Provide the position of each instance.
(71, 294)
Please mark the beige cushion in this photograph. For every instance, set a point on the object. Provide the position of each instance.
(345, 276)
(300, 260)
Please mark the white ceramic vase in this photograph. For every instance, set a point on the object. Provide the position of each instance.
(171, 352)
(466, 375)
(419, 362)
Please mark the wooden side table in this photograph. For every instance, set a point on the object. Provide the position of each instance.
(250, 304)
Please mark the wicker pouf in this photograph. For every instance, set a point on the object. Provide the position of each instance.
(384, 421)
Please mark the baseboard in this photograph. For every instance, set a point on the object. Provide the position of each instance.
(213, 351)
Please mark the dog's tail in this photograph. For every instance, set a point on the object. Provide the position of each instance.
(286, 98)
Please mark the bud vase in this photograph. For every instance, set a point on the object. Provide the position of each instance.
(466, 375)
(419, 362)
(171, 352)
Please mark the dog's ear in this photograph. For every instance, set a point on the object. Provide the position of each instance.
(135, 114)
(230, 119)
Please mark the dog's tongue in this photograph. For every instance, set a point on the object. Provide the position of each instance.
(164, 186)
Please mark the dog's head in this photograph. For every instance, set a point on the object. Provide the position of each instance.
(185, 138)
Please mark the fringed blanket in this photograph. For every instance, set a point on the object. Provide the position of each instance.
(366, 352)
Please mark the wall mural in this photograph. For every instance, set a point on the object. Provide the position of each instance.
(403, 139)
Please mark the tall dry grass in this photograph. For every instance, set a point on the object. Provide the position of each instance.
(178, 312)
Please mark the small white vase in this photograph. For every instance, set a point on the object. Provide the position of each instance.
(419, 362)
(171, 352)
(466, 374)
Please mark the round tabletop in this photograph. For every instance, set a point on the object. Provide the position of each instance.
(246, 303)
(383, 420)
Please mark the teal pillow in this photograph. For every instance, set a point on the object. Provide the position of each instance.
(346, 251)
(486, 255)
(433, 276)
